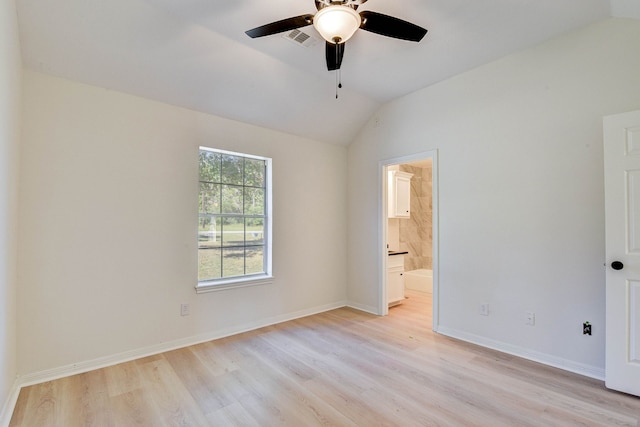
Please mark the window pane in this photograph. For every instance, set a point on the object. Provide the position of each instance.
(254, 259)
(254, 231)
(254, 172)
(231, 169)
(231, 199)
(210, 166)
(209, 264)
(209, 198)
(209, 232)
(232, 231)
(233, 215)
(232, 262)
(253, 201)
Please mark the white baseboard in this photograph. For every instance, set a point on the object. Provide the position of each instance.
(101, 362)
(362, 307)
(545, 359)
(9, 405)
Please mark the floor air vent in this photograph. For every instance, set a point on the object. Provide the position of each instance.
(300, 38)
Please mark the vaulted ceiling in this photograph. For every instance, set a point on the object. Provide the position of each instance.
(195, 54)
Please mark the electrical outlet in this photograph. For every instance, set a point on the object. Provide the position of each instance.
(586, 328)
(484, 309)
(184, 310)
(530, 318)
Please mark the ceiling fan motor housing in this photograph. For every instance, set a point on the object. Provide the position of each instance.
(352, 3)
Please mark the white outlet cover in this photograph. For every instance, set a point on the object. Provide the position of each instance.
(184, 309)
(530, 318)
(484, 309)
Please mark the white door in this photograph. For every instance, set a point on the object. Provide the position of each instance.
(622, 212)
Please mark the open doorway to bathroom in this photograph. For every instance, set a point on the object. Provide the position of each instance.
(409, 218)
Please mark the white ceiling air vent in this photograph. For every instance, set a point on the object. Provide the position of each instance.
(300, 38)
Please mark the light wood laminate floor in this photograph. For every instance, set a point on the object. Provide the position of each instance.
(340, 368)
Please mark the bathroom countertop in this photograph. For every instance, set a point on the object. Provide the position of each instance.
(397, 253)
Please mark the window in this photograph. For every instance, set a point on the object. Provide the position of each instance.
(234, 220)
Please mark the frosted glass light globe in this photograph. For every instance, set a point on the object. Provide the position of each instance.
(337, 23)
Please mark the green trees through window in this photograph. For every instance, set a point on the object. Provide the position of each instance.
(232, 227)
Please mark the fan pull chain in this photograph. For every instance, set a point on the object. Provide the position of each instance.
(338, 72)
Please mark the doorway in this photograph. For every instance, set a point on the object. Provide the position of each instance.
(413, 236)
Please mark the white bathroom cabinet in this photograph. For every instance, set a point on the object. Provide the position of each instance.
(399, 194)
(395, 279)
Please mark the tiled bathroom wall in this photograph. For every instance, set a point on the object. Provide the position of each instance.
(415, 233)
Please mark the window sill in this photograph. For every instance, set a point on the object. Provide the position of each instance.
(235, 282)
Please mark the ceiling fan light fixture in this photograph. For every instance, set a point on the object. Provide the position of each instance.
(337, 23)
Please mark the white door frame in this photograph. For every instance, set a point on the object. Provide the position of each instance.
(383, 308)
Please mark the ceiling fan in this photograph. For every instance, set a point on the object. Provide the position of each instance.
(337, 21)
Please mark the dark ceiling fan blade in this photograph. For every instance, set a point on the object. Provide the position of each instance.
(391, 27)
(334, 53)
(281, 26)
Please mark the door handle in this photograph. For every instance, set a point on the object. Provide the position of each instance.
(617, 265)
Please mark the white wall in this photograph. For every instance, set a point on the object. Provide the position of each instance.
(10, 73)
(108, 220)
(521, 191)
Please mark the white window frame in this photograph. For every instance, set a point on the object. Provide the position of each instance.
(249, 279)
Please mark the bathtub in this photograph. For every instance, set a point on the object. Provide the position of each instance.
(419, 280)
